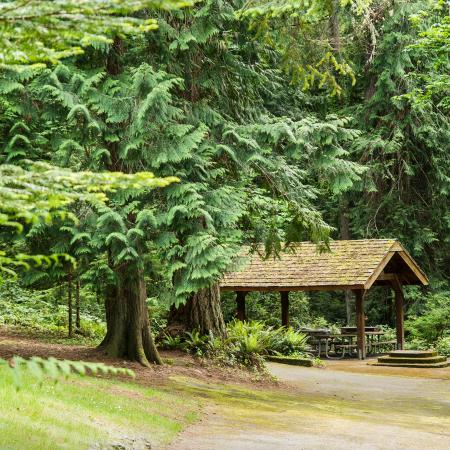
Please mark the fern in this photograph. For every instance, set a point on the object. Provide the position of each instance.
(40, 369)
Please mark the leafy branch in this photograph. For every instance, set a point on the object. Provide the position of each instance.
(55, 369)
(41, 192)
(37, 31)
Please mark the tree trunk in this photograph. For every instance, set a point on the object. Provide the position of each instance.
(128, 325)
(77, 304)
(344, 229)
(128, 332)
(69, 302)
(335, 38)
(201, 312)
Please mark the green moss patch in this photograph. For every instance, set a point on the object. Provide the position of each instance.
(305, 362)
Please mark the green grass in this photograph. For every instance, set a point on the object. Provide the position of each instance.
(79, 413)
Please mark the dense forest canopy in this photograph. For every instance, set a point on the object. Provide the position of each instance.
(266, 122)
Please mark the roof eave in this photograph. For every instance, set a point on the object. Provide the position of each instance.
(321, 287)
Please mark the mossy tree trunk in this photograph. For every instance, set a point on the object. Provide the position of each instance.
(128, 325)
(202, 312)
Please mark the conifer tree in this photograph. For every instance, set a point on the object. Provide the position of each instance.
(404, 141)
(201, 101)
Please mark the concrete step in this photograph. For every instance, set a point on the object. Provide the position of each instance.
(417, 366)
(406, 360)
(413, 353)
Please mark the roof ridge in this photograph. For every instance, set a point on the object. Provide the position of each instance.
(332, 241)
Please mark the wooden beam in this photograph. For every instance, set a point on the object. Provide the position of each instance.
(240, 305)
(414, 267)
(397, 248)
(386, 277)
(360, 323)
(399, 313)
(329, 287)
(285, 308)
(376, 273)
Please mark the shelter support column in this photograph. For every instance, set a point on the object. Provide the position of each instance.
(240, 305)
(360, 323)
(399, 313)
(285, 308)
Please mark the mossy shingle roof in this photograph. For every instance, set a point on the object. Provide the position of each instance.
(353, 264)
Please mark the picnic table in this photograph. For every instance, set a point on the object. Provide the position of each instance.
(336, 346)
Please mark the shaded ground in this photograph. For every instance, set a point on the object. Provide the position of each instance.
(348, 405)
(177, 363)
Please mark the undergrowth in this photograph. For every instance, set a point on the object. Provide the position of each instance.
(245, 346)
(40, 314)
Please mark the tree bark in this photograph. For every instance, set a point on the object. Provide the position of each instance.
(69, 303)
(345, 235)
(202, 312)
(128, 325)
(335, 38)
(77, 304)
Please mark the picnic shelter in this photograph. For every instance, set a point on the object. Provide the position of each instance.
(356, 265)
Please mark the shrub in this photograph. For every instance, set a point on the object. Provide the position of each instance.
(443, 346)
(196, 343)
(287, 342)
(158, 315)
(248, 342)
(389, 333)
(250, 337)
(434, 322)
(246, 345)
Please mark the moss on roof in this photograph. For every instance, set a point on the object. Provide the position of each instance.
(348, 264)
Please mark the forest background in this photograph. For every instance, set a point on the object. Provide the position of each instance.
(282, 121)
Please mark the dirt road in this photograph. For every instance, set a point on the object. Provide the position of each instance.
(334, 408)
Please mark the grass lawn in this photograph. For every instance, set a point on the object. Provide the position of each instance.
(83, 412)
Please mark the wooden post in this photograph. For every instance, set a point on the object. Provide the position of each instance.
(240, 305)
(348, 307)
(285, 308)
(399, 313)
(360, 323)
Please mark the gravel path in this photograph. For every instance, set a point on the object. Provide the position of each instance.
(332, 408)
